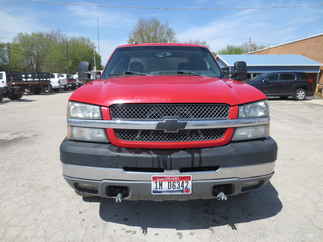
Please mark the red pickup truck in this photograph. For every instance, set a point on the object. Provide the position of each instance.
(163, 123)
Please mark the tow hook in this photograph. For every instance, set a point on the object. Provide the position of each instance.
(118, 198)
(221, 197)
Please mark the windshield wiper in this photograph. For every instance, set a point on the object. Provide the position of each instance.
(128, 73)
(134, 73)
(191, 73)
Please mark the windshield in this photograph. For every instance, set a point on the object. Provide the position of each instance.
(162, 60)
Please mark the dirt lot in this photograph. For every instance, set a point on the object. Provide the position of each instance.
(37, 205)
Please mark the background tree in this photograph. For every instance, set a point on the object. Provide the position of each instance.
(49, 52)
(151, 31)
(231, 50)
(240, 49)
(196, 42)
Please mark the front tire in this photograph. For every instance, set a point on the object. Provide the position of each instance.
(49, 89)
(300, 94)
(15, 96)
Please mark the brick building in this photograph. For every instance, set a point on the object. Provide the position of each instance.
(311, 47)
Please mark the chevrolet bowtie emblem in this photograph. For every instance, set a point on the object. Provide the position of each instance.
(171, 125)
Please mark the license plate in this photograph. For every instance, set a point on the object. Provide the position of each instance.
(166, 185)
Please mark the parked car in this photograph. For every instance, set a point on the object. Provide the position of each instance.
(298, 85)
(163, 124)
(71, 82)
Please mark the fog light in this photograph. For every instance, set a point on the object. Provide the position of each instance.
(87, 134)
(86, 187)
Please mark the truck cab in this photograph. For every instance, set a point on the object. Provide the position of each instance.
(11, 89)
(3, 79)
(55, 81)
(63, 81)
(163, 123)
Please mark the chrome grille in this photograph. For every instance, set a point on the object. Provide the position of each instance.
(160, 111)
(161, 136)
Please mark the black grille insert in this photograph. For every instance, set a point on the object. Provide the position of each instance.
(160, 111)
(161, 136)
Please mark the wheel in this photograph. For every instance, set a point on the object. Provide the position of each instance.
(300, 94)
(1, 96)
(49, 89)
(15, 96)
(36, 90)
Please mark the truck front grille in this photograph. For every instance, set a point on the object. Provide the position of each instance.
(161, 136)
(160, 111)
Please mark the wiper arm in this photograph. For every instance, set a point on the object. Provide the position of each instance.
(128, 73)
(191, 73)
(134, 73)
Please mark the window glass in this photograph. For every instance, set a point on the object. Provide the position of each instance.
(287, 76)
(1, 75)
(272, 77)
(162, 60)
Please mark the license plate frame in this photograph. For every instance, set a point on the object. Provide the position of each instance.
(171, 185)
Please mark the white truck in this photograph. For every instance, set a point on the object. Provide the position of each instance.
(12, 89)
(63, 81)
(55, 81)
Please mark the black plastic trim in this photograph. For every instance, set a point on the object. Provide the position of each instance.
(109, 156)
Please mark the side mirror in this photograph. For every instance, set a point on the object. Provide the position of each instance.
(83, 71)
(240, 72)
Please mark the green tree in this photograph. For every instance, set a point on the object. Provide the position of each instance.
(151, 31)
(231, 50)
(196, 42)
(50, 52)
(240, 49)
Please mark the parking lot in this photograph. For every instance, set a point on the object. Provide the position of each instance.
(37, 205)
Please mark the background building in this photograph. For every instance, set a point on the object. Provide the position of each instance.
(311, 47)
(257, 64)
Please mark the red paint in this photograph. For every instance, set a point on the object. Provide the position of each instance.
(161, 44)
(167, 89)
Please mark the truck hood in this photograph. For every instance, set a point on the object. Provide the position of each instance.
(166, 89)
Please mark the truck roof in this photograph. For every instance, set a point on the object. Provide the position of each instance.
(161, 44)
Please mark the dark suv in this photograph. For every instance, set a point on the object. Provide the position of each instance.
(298, 85)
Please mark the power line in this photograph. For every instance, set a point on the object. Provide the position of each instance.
(138, 7)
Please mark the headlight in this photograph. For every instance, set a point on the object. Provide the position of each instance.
(254, 110)
(253, 132)
(87, 134)
(83, 111)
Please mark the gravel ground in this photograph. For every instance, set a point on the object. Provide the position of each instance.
(37, 205)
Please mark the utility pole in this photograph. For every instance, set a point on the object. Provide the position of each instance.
(98, 33)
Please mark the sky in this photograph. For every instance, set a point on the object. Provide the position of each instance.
(229, 22)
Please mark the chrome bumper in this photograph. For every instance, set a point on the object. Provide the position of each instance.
(99, 173)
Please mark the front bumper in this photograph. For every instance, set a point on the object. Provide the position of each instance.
(240, 166)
